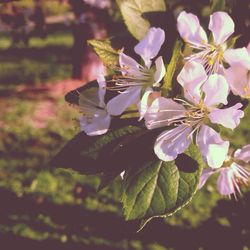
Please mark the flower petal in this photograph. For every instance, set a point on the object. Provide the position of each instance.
(222, 26)
(89, 99)
(206, 173)
(102, 90)
(229, 117)
(190, 29)
(118, 104)
(239, 80)
(160, 70)
(216, 90)
(225, 183)
(143, 104)
(127, 63)
(98, 125)
(243, 154)
(150, 45)
(172, 142)
(161, 110)
(191, 77)
(238, 56)
(213, 148)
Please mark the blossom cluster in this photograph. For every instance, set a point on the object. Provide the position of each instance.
(210, 72)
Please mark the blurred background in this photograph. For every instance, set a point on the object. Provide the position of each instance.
(43, 55)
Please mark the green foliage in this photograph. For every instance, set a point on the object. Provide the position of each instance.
(44, 60)
(161, 188)
(132, 11)
(105, 51)
(231, 42)
(217, 5)
(171, 68)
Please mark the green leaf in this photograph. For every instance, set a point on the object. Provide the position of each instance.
(105, 51)
(90, 154)
(132, 11)
(171, 68)
(159, 189)
(109, 141)
(231, 42)
(217, 5)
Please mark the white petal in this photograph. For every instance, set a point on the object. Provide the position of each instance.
(89, 98)
(118, 104)
(127, 62)
(122, 175)
(172, 142)
(213, 148)
(102, 90)
(216, 90)
(190, 29)
(206, 173)
(239, 80)
(143, 104)
(225, 183)
(238, 56)
(150, 45)
(160, 69)
(243, 154)
(222, 26)
(229, 117)
(161, 110)
(191, 77)
(97, 126)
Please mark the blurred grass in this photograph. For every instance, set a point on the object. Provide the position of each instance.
(43, 61)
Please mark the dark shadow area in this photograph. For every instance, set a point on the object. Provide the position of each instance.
(186, 164)
(77, 222)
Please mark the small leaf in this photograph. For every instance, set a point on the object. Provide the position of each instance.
(231, 42)
(217, 5)
(105, 51)
(159, 189)
(132, 11)
(171, 68)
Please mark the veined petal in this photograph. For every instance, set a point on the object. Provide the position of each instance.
(225, 183)
(172, 142)
(190, 29)
(191, 77)
(160, 69)
(97, 125)
(222, 26)
(229, 117)
(161, 110)
(206, 173)
(238, 56)
(118, 104)
(243, 154)
(239, 80)
(150, 45)
(213, 148)
(89, 98)
(143, 104)
(102, 90)
(127, 63)
(216, 90)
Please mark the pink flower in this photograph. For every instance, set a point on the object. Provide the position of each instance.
(211, 54)
(192, 117)
(232, 174)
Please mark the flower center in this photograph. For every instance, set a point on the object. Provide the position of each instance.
(210, 55)
(127, 76)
